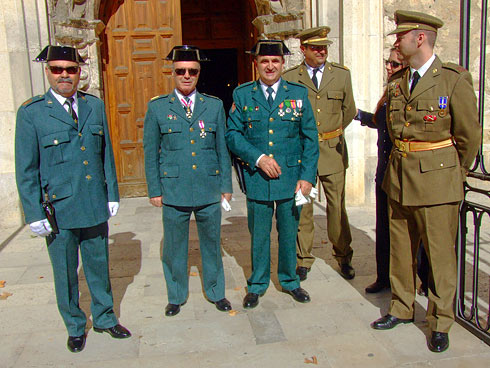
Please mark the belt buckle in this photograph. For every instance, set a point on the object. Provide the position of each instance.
(402, 146)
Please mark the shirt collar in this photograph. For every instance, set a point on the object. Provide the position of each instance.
(310, 68)
(191, 96)
(62, 99)
(423, 69)
(264, 87)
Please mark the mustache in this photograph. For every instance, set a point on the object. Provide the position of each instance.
(65, 80)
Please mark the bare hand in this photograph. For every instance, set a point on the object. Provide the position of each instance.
(226, 196)
(305, 187)
(156, 201)
(270, 167)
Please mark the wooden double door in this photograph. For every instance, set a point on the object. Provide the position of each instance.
(138, 36)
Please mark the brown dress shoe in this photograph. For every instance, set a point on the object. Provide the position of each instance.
(377, 286)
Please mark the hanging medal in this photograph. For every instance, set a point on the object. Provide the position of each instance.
(187, 106)
(201, 125)
(299, 103)
(293, 105)
(281, 111)
(288, 106)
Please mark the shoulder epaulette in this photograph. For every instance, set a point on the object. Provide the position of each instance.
(339, 66)
(158, 97)
(243, 85)
(216, 98)
(296, 84)
(84, 94)
(398, 74)
(33, 100)
(455, 67)
(293, 68)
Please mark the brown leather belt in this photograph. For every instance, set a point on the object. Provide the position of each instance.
(416, 146)
(329, 135)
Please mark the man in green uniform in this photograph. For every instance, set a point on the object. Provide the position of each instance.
(271, 128)
(63, 154)
(188, 170)
(330, 93)
(433, 123)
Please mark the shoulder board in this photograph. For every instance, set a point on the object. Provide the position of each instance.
(454, 67)
(340, 66)
(84, 94)
(293, 68)
(33, 100)
(398, 74)
(296, 84)
(158, 97)
(205, 94)
(245, 85)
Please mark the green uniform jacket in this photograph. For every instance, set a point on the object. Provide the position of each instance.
(180, 165)
(434, 176)
(333, 106)
(285, 133)
(73, 162)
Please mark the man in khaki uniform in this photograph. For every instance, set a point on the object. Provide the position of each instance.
(330, 93)
(433, 123)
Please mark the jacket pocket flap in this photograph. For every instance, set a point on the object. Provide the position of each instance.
(96, 129)
(427, 105)
(335, 95)
(60, 191)
(55, 138)
(293, 160)
(171, 128)
(210, 127)
(396, 105)
(438, 162)
(213, 170)
(170, 171)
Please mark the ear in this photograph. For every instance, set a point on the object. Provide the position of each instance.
(303, 48)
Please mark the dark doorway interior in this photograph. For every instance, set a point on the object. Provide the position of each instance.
(219, 76)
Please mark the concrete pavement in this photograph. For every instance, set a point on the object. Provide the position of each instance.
(331, 331)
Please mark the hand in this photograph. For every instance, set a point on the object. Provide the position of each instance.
(41, 228)
(156, 201)
(304, 186)
(226, 196)
(113, 208)
(270, 167)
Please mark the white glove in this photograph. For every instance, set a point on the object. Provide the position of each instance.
(41, 228)
(313, 193)
(226, 205)
(113, 207)
(300, 199)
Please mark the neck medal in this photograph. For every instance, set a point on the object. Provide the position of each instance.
(201, 125)
(187, 106)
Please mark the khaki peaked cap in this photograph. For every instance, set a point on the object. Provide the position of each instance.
(315, 36)
(407, 20)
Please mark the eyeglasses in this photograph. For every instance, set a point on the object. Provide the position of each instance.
(60, 70)
(394, 64)
(192, 72)
(317, 47)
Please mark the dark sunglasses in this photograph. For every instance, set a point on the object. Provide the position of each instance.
(393, 64)
(192, 72)
(59, 69)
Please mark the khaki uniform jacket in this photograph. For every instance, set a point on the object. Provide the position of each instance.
(333, 106)
(441, 106)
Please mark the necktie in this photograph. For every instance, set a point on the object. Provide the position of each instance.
(270, 99)
(187, 107)
(313, 78)
(415, 79)
(69, 103)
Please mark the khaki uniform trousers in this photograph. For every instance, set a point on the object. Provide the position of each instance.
(437, 227)
(338, 228)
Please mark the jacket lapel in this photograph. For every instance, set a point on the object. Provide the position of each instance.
(428, 80)
(199, 107)
(304, 77)
(404, 84)
(281, 95)
(176, 106)
(258, 96)
(84, 111)
(57, 111)
(327, 76)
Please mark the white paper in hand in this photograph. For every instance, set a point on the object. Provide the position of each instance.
(226, 205)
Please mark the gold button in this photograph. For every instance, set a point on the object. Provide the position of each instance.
(101, 132)
(317, 97)
(391, 107)
(404, 154)
(169, 130)
(409, 108)
(336, 96)
(88, 177)
(164, 173)
(318, 110)
(318, 123)
(85, 162)
(193, 153)
(292, 118)
(299, 161)
(271, 131)
(210, 129)
(192, 141)
(249, 119)
(271, 144)
(217, 171)
(79, 134)
(442, 164)
(407, 124)
(82, 148)
(271, 119)
(431, 108)
(194, 167)
(271, 155)
(54, 196)
(191, 129)
(55, 141)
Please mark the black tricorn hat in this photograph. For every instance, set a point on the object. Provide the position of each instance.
(68, 53)
(270, 48)
(186, 53)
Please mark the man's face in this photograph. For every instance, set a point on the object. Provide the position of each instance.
(315, 56)
(269, 68)
(186, 75)
(63, 76)
(406, 44)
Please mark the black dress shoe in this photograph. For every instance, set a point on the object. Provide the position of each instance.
(377, 286)
(300, 295)
(302, 272)
(251, 300)
(76, 343)
(387, 322)
(439, 341)
(346, 271)
(223, 305)
(172, 309)
(117, 332)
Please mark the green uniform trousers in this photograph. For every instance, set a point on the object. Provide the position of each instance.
(260, 224)
(437, 227)
(338, 228)
(63, 252)
(176, 250)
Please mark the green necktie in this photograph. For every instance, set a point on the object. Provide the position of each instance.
(270, 99)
